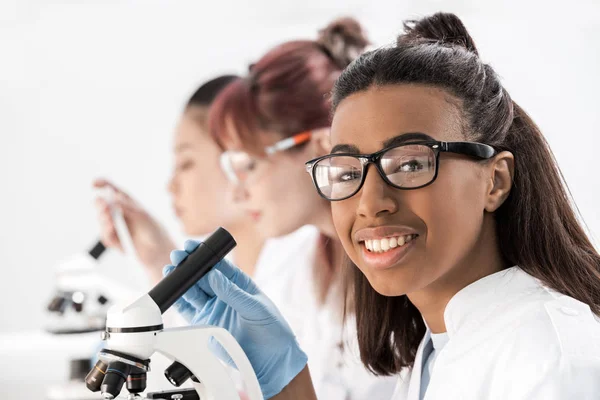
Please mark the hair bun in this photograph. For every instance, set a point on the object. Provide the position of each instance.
(445, 28)
(344, 40)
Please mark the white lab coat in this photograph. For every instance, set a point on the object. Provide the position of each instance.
(510, 337)
(284, 273)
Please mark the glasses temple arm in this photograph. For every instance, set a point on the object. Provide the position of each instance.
(478, 150)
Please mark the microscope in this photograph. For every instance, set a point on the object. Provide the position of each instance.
(135, 331)
(83, 292)
(80, 301)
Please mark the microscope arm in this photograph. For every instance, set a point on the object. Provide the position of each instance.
(191, 347)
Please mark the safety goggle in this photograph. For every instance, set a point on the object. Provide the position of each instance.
(237, 164)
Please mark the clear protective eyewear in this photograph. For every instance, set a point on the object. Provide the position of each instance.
(237, 165)
(407, 166)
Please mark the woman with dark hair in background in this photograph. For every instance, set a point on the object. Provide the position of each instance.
(472, 277)
(270, 123)
(200, 191)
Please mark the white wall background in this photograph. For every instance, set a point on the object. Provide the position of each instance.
(93, 88)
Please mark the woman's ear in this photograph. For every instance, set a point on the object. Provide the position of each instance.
(320, 142)
(502, 172)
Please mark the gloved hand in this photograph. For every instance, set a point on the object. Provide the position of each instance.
(226, 297)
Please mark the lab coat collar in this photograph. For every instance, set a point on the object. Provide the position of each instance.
(414, 388)
(481, 299)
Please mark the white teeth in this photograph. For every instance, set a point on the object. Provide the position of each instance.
(401, 240)
(376, 245)
(386, 244)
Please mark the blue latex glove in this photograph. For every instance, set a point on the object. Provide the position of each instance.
(228, 298)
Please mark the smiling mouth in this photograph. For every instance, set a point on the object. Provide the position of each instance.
(387, 252)
(384, 245)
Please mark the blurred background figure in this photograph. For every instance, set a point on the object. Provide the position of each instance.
(270, 123)
(201, 197)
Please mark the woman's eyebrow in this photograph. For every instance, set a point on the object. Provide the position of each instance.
(183, 146)
(402, 138)
(345, 148)
(407, 137)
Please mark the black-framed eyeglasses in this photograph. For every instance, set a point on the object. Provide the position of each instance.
(406, 166)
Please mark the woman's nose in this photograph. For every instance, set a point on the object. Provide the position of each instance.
(240, 193)
(374, 196)
(172, 184)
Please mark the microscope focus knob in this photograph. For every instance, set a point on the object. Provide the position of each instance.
(177, 374)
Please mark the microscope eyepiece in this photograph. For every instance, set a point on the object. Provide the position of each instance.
(194, 267)
(97, 250)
